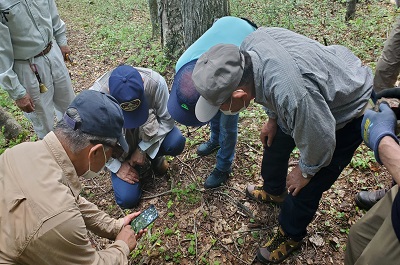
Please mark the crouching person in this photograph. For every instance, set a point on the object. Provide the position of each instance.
(43, 219)
(149, 129)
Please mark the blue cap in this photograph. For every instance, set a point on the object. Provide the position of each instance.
(183, 97)
(100, 116)
(126, 86)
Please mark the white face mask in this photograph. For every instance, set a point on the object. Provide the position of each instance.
(230, 112)
(91, 174)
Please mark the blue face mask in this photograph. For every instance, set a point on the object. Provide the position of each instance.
(230, 112)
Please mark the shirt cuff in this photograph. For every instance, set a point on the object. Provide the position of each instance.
(123, 245)
(113, 165)
(17, 93)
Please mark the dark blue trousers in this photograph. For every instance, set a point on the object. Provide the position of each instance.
(128, 195)
(298, 211)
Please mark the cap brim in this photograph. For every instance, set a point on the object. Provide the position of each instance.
(122, 142)
(204, 110)
(136, 118)
(178, 113)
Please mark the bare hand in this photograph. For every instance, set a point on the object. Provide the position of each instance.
(26, 103)
(128, 219)
(128, 236)
(64, 50)
(137, 158)
(295, 181)
(128, 173)
(268, 132)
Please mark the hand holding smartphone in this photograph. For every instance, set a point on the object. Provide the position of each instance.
(144, 219)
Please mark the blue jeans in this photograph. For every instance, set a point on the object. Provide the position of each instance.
(298, 211)
(128, 195)
(224, 130)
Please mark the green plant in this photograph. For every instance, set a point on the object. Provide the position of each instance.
(168, 231)
(189, 193)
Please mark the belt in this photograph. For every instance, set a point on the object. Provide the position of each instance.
(45, 51)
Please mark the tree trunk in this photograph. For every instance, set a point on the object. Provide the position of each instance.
(198, 16)
(155, 25)
(11, 127)
(351, 9)
(184, 21)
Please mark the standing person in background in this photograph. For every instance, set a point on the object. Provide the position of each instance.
(309, 91)
(386, 74)
(149, 129)
(32, 69)
(183, 98)
(43, 218)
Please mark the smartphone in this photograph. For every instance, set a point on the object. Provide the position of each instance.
(144, 219)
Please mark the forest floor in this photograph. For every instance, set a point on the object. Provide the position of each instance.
(218, 226)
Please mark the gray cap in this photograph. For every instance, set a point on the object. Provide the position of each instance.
(216, 76)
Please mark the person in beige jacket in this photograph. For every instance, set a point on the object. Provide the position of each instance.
(43, 219)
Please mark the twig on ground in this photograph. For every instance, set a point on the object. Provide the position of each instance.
(195, 236)
(97, 185)
(158, 195)
(252, 148)
(237, 204)
(190, 168)
(234, 242)
(227, 249)
(232, 188)
(220, 242)
(248, 231)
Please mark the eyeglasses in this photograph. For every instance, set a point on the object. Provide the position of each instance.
(117, 150)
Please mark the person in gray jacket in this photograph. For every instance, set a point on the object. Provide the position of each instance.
(315, 97)
(32, 69)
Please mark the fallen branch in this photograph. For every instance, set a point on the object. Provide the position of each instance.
(237, 204)
(195, 236)
(157, 195)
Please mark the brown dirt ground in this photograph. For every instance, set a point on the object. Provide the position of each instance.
(214, 227)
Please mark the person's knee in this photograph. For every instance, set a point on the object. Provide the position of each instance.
(176, 148)
(174, 143)
(126, 195)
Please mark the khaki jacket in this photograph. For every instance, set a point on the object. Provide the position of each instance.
(43, 219)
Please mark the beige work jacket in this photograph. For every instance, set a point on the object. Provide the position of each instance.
(43, 219)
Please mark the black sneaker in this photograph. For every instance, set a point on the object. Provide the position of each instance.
(216, 179)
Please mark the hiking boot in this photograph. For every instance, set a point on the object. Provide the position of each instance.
(278, 248)
(367, 199)
(216, 179)
(207, 148)
(159, 165)
(256, 192)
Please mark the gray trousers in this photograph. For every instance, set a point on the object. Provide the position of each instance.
(388, 66)
(54, 74)
(372, 239)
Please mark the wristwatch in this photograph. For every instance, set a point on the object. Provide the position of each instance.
(305, 175)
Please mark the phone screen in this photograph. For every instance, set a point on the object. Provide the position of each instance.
(144, 219)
